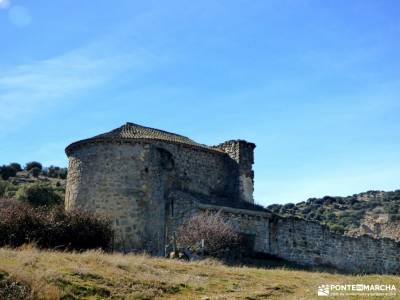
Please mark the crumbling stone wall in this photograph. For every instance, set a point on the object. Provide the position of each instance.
(242, 153)
(312, 244)
(252, 223)
(303, 242)
(205, 172)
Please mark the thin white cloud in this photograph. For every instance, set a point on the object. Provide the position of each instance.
(26, 89)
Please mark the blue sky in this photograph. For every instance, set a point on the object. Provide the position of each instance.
(315, 84)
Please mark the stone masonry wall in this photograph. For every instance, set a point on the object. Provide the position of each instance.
(309, 243)
(305, 243)
(252, 223)
(149, 189)
(130, 183)
(117, 180)
(199, 171)
(242, 152)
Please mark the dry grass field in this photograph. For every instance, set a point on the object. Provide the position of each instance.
(33, 274)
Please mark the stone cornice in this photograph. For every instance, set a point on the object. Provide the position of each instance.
(92, 141)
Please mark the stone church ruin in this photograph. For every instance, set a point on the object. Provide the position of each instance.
(150, 181)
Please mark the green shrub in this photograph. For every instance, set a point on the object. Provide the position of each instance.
(337, 228)
(35, 172)
(394, 217)
(274, 208)
(16, 166)
(11, 190)
(288, 206)
(7, 189)
(33, 164)
(38, 194)
(391, 208)
(3, 187)
(55, 172)
(7, 172)
(63, 173)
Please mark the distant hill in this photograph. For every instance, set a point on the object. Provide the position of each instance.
(376, 213)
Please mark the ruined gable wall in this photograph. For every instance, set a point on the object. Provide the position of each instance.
(201, 171)
(242, 153)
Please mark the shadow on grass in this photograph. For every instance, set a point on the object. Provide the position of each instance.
(265, 261)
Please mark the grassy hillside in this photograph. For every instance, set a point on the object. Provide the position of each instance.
(344, 214)
(95, 275)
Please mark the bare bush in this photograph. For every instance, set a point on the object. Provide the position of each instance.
(21, 223)
(218, 234)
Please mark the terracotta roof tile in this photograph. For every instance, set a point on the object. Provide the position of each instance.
(131, 131)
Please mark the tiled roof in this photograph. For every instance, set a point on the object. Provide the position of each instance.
(131, 131)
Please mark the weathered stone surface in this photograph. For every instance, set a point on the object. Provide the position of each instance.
(310, 243)
(242, 152)
(149, 182)
(129, 173)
